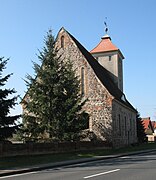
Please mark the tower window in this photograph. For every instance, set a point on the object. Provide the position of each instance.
(62, 41)
(110, 58)
(82, 82)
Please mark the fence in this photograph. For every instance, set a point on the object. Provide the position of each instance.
(45, 148)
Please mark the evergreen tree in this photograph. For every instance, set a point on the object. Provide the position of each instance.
(140, 130)
(53, 104)
(8, 124)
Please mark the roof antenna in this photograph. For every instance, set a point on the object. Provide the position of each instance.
(106, 27)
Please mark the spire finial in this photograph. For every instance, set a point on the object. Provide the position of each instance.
(106, 27)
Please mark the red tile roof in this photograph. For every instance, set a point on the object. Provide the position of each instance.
(147, 123)
(154, 124)
(104, 45)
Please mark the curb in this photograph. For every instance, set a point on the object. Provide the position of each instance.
(70, 162)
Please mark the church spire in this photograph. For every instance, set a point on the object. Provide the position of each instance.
(110, 57)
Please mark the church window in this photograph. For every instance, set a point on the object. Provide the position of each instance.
(130, 126)
(86, 123)
(119, 119)
(125, 126)
(110, 58)
(62, 41)
(82, 82)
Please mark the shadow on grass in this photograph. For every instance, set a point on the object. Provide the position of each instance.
(31, 160)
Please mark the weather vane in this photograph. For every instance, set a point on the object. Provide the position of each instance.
(106, 27)
(50, 30)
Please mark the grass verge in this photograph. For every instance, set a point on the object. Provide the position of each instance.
(31, 160)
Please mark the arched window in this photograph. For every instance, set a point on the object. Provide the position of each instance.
(125, 126)
(82, 81)
(119, 119)
(62, 41)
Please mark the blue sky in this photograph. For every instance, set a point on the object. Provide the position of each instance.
(132, 27)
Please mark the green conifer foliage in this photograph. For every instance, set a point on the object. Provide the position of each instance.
(53, 103)
(140, 130)
(8, 124)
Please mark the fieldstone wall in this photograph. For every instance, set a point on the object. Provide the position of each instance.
(99, 101)
(124, 125)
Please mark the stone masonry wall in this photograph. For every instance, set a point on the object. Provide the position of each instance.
(124, 125)
(99, 101)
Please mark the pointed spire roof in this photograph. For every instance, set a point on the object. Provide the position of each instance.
(105, 45)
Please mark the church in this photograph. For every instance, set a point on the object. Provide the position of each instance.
(112, 117)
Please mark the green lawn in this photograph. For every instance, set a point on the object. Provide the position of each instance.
(24, 161)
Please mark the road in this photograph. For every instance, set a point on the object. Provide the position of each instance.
(136, 167)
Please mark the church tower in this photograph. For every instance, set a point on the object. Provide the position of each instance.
(110, 57)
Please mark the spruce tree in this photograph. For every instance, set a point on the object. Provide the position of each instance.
(8, 123)
(53, 103)
(140, 130)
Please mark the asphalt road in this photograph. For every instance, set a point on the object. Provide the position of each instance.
(136, 167)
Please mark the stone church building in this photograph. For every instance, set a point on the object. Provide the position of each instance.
(112, 117)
